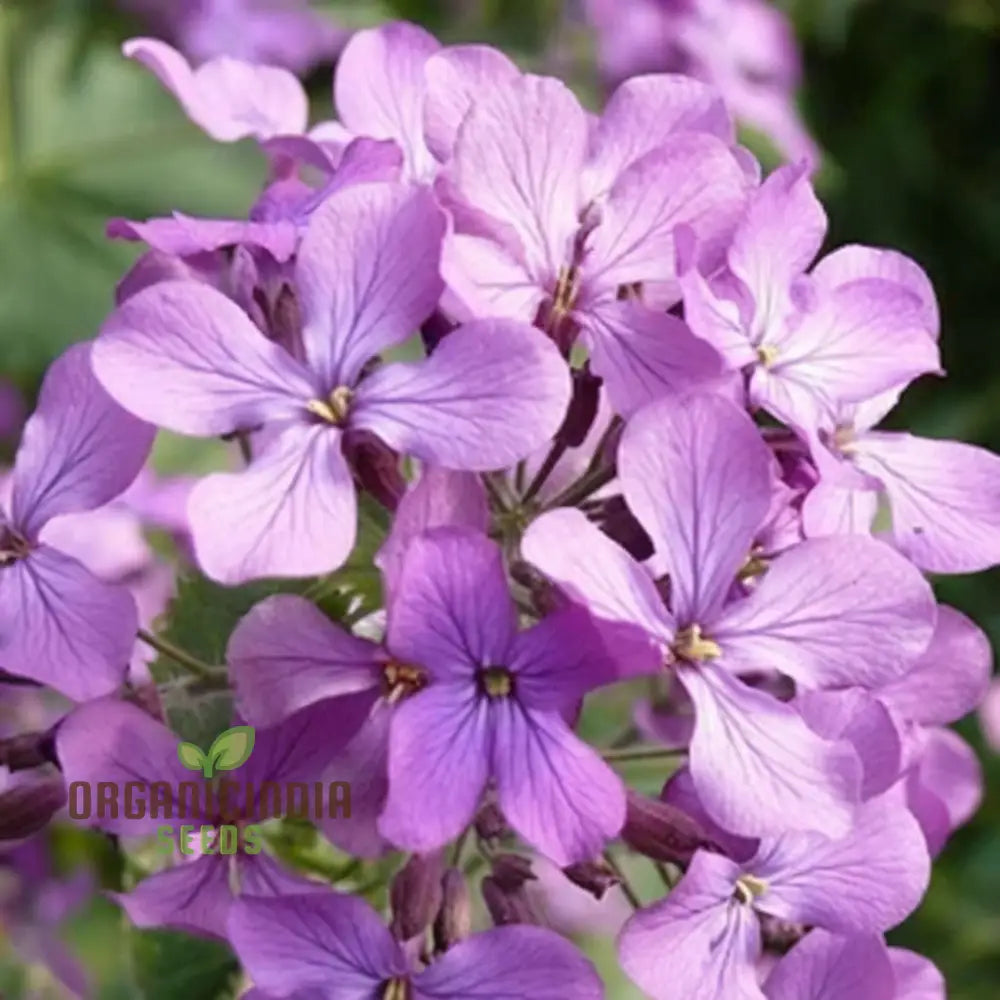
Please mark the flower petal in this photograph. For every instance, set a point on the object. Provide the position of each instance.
(292, 512)
(227, 98)
(79, 449)
(831, 967)
(491, 393)
(832, 612)
(183, 356)
(697, 475)
(917, 978)
(362, 289)
(553, 788)
(63, 627)
(758, 768)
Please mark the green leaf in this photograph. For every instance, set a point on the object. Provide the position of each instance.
(169, 965)
(191, 756)
(232, 748)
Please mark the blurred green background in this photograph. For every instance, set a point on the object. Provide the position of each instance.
(902, 95)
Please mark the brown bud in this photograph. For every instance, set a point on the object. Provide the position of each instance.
(376, 468)
(595, 877)
(27, 750)
(454, 919)
(661, 831)
(582, 408)
(507, 906)
(26, 809)
(416, 895)
(617, 521)
(512, 871)
(491, 824)
(780, 935)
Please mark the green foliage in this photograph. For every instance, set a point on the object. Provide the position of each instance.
(169, 965)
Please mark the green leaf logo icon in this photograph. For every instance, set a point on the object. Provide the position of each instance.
(229, 750)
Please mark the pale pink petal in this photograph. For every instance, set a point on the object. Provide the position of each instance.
(697, 474)
(379, 88)
(717, 317)
(491, 393)
(832, 508)
(944, 498)
(182, 355)
(758, 767)
(227, 98)
(832, 612)
(184, 236)
(362, 289)
(292, 512)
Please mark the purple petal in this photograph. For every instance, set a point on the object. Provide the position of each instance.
(757, 766)
(291, 513)
(989, 716)
(917, 978)
(829, 967)
(693, 181)
(78, 450)
(116, 742)
(832, 508)
(518, 158)
(361, 287)
(63, 627)
(314, 940)
(183, 356)
(227, 98)
(439, 746)
(649, 111)
(950, 679)
(596, 572)
(185, 236)
(260, 875)
(285, 654)
(696, 942)
(457, 78)
(644, 355)
(554, 789)
(697, 475)
(832, 612)
(441, 497)
(379, 88)
(452, 613)
(864, 882)
(511, 962)
(194, 896)
(490, 394)
(945, 499)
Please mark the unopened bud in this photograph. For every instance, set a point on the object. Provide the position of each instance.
(27, 750)
(512, 871)
(491, 824)
(434, 329)
(582, 408)
(595, 877)
(416, 895)
(620, 524)
(504, 894)
(376, 467)
(780, 935)
(454, 919)
(26, 809)
(661, 831)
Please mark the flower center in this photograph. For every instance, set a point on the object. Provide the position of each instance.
(12, 546)
(843, 439)
(767, 355)
(566, 291)
(496, 682)
(335, 408)
(690, 645)
(401, 680)
(749, 888)
(756, 565)
(397, 988)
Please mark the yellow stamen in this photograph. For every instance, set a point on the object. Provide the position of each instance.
(334, 409)
(756, 565)
(497, 682)
(397, 988)
(749, 888)
(844, 439)
(767, 355)
(401, 680)
(691, 646)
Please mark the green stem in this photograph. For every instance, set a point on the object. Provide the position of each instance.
(190, 663)
(627, 754)
(630, 894)
(541, 476)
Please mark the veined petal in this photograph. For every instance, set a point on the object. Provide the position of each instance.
(945, 499)
(832, 612)
(757, 766)
(827, 966)
(833, 508)
(63, 627)
(553, 788)
(362, 288)
(917, 978)
(491, 393)
(285, 654)
(183, 356)
(697, 474)
(379, 88)
(227, 98)
(78, 450)
(292, 512)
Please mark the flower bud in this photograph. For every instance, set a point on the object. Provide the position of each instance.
(26, 809)
(491, 824)
(27, 750)
(595, 877)
(618, 522)
(582, 408)
(416, 895)
(454, 919)
(661, 831)
(503, 891)
(376, 467)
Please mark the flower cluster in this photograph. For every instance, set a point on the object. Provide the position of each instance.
(622, 420)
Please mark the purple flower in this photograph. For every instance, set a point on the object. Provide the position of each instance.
(697, 475)
(809, 342)
(111, 741)
(60, 624)
(185, 357)
(703, 940)
(334, 947)
(576, 222)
